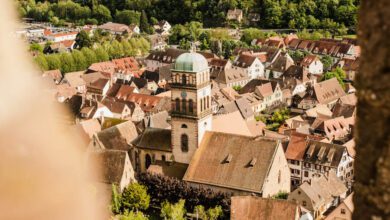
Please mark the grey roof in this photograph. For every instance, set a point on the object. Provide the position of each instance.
(323, 153)
(111, 164)
(223, 160)
(170, 169)
(158, 120)
(154, 139)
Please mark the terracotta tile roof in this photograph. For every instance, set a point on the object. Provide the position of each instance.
(54, 74)
(104, 67)
(124, 92)
(232, 75)
(98, 84)
(350, 145)
(222, 160)
(322, 190)
(257, 208)
(244, 61)
(234, 118)
(216, 62)
(328, 91)
(254, 83)
(127, 65)
(167, 56)
(297, 146)
(264, 90)
(308, 60)
(75, 79)
(64, 34)
(282, 63)
(114, 106)
(146, 102)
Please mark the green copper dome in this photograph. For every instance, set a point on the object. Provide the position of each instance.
(191, 62)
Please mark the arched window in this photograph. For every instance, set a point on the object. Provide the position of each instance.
(184, 143)
(184, 79)
(204, 103)
(177, 104)
(184, 126)
(208, 102)
(163, 158)
(148, 161)
(201, 105)
(191, 106)
(184, 105)
(279, 176)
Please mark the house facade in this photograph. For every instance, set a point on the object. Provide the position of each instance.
(251, 66)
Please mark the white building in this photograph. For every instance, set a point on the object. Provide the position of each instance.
(251, 64)
(58, 37)
(313, 64)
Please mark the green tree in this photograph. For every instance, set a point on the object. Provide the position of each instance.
(35, 47)
(338, 73)
(281, 195)
(132, 216)
(173, 211)
(144, 24)
(327, 61)
(101, 54)
(248, 35)
(135, 197)
(210, 214)
(80, 62)
(42, 62)
(101, 13)
(90, 56)
(53, 61)
(83, 39)
(115, 199)
(114, 49)
(128, 17)
(67, 63)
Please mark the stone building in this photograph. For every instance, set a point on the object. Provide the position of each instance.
(191, 104)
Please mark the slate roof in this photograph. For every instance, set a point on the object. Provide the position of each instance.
(257, 208)
(223, 160)
(154, 139)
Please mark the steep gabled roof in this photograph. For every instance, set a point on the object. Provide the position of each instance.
(328, 91)
(257, 208)
(223, 160)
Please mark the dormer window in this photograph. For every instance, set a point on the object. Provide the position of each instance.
(228, 158)
(252, 162)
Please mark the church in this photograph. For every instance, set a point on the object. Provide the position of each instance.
(191, 116)
(219, 156)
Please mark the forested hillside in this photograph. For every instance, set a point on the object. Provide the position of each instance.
(274, 13)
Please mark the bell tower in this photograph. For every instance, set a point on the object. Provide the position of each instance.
(191, 104)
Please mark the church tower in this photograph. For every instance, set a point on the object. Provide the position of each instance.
(191, 104)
